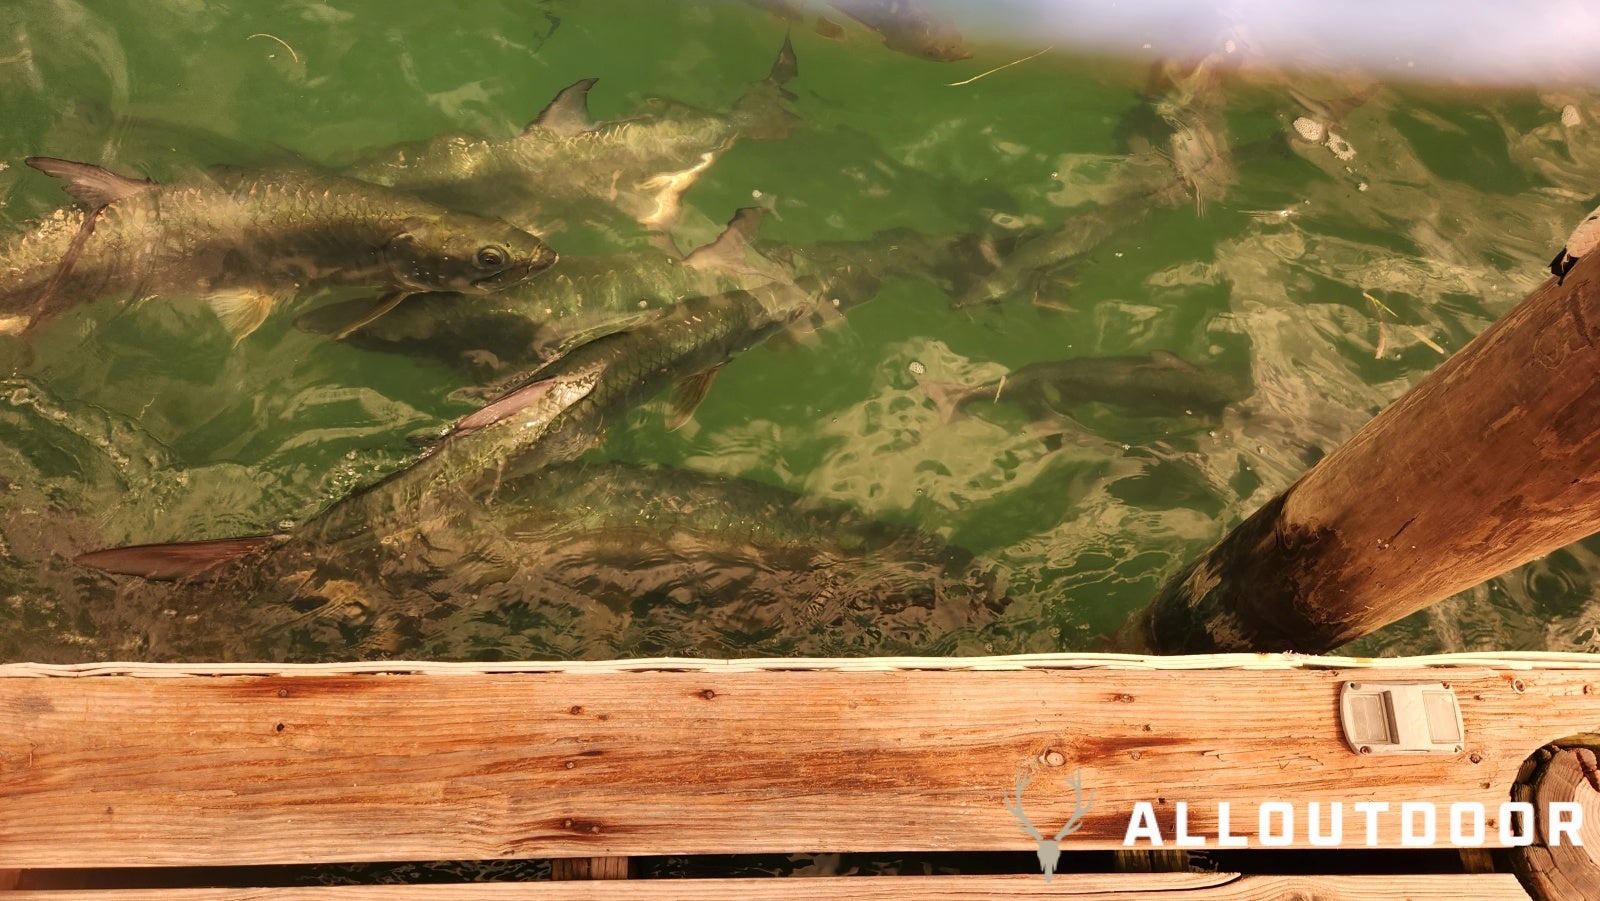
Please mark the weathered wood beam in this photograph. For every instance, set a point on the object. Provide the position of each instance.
(1077, 887)
(243, 770)
(1491, 461)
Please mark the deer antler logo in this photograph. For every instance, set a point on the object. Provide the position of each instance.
(1049, 849)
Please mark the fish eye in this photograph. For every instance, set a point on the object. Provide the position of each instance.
(491, 257)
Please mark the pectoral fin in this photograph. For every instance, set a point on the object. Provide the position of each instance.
(687, 394)
(334, 318)
(383, 305)
(568, 113)
(41, 306)
(507, 405)
(241, 310)
(664, 194)
(90, 184)
(169, 562)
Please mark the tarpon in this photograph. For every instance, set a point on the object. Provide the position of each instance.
(585, 298)
(550, 415)
(1028, 263)
(1159, 384)
(589, 297)
(243, 241)
(564, 160)
(584, 560)
(906, 26)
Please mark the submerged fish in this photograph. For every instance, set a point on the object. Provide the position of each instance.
(590, 297)
(1584, 239)
(585, 560)
(564, 160)
(587, 297)
(908, 26)
(905, 25)
(1031, 263)
(244, 241)
(550, 415)
(682, 349)
(1160, 384)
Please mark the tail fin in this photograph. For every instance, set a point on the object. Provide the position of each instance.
(171, 562)
(761, 112)
(785, 67)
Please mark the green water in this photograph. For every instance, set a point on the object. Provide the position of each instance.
(139, 424)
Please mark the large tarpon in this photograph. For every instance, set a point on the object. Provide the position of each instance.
(586, 297)
(565, 161)
(584, 560)
(549, 415)
(589, 297)
(1161, 383)
(905, 25)
(243, 241)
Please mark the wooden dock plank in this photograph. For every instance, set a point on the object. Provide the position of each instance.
(1097, 887)
(238, 770)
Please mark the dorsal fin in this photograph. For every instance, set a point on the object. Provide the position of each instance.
(727, 250)
(568, 113)
(91, 184)
(785, 67)
(167, 562)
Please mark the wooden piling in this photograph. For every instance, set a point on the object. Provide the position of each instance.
(1554, 870)
(1491, 461)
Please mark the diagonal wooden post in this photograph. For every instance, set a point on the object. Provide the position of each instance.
(1491, 461)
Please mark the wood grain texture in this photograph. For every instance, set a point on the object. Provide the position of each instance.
(1563, 872)
(589, 868)
(1096, 887)
(1489, 462)
(193, 771)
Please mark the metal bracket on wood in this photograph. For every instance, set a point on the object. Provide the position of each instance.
(1400, 718)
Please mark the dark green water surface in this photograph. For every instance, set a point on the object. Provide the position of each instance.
(1329, 282)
